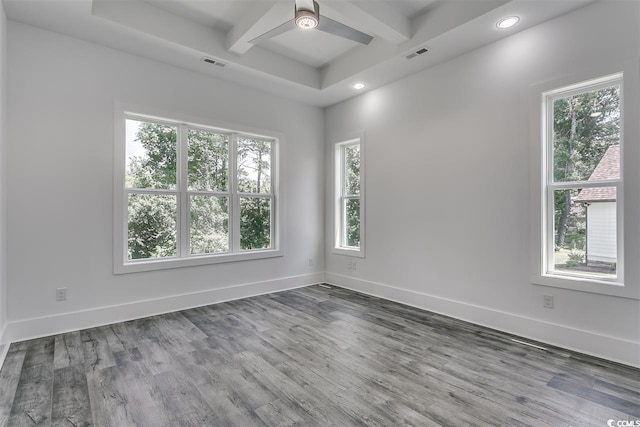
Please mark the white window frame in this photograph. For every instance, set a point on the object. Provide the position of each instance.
(549, 186)
(121, 263)
(542, 185)
(339, 175)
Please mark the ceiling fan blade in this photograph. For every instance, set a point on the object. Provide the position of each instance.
(334, 27)
(281, 29)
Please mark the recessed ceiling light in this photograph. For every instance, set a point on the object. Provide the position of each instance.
(507, 22)
(359, 85)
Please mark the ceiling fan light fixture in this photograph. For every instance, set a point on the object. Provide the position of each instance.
(308, 19)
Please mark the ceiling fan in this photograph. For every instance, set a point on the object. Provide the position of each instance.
(307, 17)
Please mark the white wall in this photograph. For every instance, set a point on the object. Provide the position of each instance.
(61, 98)
(448, 203)
(448, 186)
(3, 163)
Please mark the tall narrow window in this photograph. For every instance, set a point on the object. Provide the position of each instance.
(349, 205)
(193, 195)
(582, 181)
(255, 193)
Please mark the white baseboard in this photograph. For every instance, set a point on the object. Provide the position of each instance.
(4, 342)
(606, 347)
(21, 330)
(594, 344)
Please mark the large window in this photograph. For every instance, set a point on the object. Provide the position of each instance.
(582, 182)
(349, 198)
(191, 194)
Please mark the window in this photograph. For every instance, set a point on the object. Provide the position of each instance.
(193, 195)
(582, 181)
(349, 199)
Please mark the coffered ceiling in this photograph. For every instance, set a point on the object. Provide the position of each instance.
(307, 65)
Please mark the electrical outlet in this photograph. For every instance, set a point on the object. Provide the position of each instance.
(310, 262)
(354, 265)
(547, 301)
(61, 294)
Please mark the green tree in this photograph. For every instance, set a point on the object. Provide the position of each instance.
(208, 160)
(209, 232)
(152, 226)
(254, 177)
(255, 223)
(584, 126)
(152, 217)
(352, 182)
(157, 168)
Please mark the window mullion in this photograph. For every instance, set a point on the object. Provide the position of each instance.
(274, 184)
(234, 201)
(256, 195)
(340, 172)
(343, 222)
(620, 228)
(272, 219)
(343, 200)
(550, 231)
(150, 191)
(183, 196)
(576, 185)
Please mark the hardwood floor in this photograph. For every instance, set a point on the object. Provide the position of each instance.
(308, 357)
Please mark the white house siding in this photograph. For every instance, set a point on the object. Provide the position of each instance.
(601, 232)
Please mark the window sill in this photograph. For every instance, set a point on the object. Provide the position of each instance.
(163, 264)
(358, 253)
(584, 284)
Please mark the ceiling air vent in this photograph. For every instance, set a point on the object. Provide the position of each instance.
(417, 52)
(214, 62)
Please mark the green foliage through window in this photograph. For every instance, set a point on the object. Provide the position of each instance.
(255, 223)
(584, 126)
(209, 225)
(349, 174)
(152, 226)
(154, 191)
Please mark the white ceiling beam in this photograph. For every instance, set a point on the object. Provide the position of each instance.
(373, 17)
(439, 20)
(261, 17)
(175, 31)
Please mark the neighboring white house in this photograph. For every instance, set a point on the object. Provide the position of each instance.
(601, 209)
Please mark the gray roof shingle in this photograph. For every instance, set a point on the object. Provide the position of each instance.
(607, 168)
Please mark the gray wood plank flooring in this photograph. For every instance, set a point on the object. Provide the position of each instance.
(308, 357)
